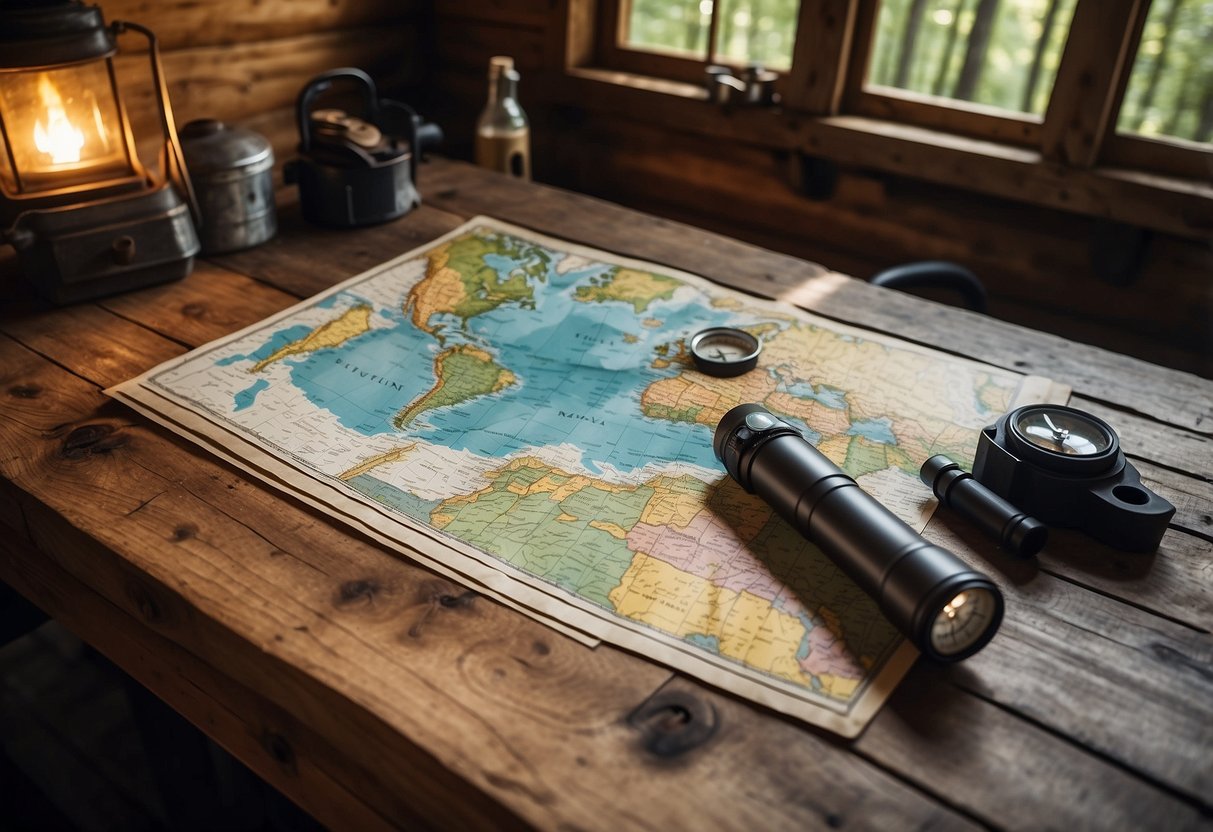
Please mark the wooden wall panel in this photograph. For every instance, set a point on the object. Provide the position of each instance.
(245, 61)
(183, 23)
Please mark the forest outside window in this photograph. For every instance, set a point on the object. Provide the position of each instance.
(1122, 82)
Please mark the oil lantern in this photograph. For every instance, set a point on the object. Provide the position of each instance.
(86, 216)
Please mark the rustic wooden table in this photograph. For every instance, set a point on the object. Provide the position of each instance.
(377, 695)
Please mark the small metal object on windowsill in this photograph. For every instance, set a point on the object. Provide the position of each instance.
(752, 86)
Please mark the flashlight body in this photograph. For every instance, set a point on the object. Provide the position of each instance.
(910, 578)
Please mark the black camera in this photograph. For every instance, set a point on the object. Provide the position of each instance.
(1066, 467)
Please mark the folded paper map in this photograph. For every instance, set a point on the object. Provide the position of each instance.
(520, 413)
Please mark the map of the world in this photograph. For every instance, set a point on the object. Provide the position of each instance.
(522, 413)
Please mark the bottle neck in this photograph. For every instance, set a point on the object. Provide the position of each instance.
(502, 87)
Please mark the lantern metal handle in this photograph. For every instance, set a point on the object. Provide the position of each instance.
(174, 157)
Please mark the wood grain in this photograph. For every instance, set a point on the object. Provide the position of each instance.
(243, 80)
(181, 24)
(1091, 78)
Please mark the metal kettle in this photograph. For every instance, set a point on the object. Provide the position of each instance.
(356, 170)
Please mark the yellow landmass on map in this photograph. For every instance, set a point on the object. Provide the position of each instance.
(630, 286)
(441, 290)
(613, 529)
(694, 397)
(675, 501)
(556, 484)
(370, 463)
(352, 323)
(747, 628)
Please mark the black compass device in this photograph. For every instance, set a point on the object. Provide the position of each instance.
(1065, 467)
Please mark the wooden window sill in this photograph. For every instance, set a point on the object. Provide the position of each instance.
(1174, 205)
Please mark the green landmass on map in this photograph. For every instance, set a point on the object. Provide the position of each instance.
(567, 528)
(459, 281)
(632, 286)
(461, 373)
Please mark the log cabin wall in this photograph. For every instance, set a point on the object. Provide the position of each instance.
(245, 61)
(1036, 262)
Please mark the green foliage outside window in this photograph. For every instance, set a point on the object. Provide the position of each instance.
(998, 53)
(1170, 90)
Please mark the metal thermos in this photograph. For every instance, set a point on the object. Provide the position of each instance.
(231, 169)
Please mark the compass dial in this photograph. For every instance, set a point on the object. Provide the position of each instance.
(1063, 431)
(724, 351)
(963, 621)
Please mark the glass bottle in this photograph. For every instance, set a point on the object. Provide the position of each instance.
(503, 136)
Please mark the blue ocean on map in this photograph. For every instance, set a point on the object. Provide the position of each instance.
(580, 369)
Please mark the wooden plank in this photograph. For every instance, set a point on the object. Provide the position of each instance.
(916, 735)
(1068, 659)
(535, 13)
(195, 475)
(824, 29)
(246, 79)
(182, 24)
(470, 43)
(1171, 397)
(305, 263)
(964, 118)
(1181, 207)
(278, 748)
(1188, 451)
(357, 645)
(1090, 79)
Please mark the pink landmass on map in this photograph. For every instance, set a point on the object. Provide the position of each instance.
(828, 654)
(708, 548)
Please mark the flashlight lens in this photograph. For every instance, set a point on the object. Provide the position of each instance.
(963, 621)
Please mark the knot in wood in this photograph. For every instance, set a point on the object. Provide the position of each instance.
(25, 391)
(672, 723)
(360, 589)
(91, 439)
(279, 749)
(194, 310)
(145, 603)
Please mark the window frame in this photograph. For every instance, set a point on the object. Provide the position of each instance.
(1071, 158)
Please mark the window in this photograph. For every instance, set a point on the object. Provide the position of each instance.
(1068, 98)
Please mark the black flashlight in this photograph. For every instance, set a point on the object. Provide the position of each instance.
(947, 609)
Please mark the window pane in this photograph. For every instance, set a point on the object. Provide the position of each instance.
(1001, 53)
(759, 31)
(677, 26)
(1170, 90)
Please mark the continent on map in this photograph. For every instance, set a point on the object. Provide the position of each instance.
(630, 286)
(706, 563)
(459, 280)
(824, 379)
(462, 373)
(394, 455)
(353, 322)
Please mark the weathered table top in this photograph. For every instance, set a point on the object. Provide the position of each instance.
(379, 695)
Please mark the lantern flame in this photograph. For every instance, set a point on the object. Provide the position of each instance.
(59, 139)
